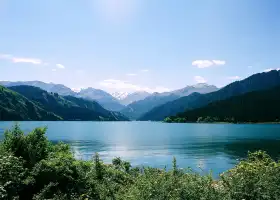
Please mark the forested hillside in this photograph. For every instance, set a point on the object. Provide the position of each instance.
(14, 106)
(32, 103)
(258, 106)
(260, 81)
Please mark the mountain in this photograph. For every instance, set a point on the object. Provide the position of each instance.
(257, 106)
(135, 96)
(49, 87)
(201, 88)
(260, 81)
(67, 107)
(105, 99)
(139, 108)
(14, 106)
(120, 95)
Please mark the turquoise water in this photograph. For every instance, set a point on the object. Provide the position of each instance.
(203, 147)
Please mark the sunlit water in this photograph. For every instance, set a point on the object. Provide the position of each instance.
(203, 147)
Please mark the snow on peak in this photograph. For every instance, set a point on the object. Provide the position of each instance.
(120, 95)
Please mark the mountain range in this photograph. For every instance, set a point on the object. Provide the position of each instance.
(49, 101)
(131, 104)
(256, 106)
(139, 108)
(32, 103)
(128, 98)
(102, 97)
(260, 81)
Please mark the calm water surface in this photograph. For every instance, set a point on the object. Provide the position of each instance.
(203, 147)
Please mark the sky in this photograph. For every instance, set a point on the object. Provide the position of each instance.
(133, 45)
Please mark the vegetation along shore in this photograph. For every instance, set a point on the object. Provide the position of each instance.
(34, 168)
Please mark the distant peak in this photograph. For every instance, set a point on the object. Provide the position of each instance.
(201, 84)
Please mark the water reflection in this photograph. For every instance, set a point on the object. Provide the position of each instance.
(204, 147)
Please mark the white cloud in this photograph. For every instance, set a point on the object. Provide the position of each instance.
(219, 62)
(34, 61)
(125, 85)
(234, 77)
(54, 70)
(200, 79)
(145, 70)
(16, 59)
(207, 63)
(60, 66)
(131, 74)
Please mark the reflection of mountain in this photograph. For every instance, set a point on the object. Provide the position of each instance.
(235, 149)
(239, 149)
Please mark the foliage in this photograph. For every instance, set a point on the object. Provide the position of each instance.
(50, 171)
(14, 106)
(256, 82)
(258, 106)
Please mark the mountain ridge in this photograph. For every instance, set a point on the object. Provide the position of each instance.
(65, 107)
(256, 106)
(138, 108)
(254, 82)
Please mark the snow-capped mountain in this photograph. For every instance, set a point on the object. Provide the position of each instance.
(120, 95)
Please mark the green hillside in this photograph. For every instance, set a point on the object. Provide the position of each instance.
(258, 106)
(256, 82)
(69, 108)
(14, 106)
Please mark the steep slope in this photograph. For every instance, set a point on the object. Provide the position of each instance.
(257, 106)
(260, 81)
(138, 108)
(94, 106)
(102, 97)
(14, 106)
(69, 108)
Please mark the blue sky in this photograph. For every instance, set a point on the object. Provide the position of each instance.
(129, 45)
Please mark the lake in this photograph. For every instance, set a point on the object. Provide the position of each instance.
(203, 147)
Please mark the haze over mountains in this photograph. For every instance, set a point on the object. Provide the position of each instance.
(118, 100)
(128, 98)
(136, 106)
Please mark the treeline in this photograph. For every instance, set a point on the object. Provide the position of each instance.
(253, 107)
(33, 168)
